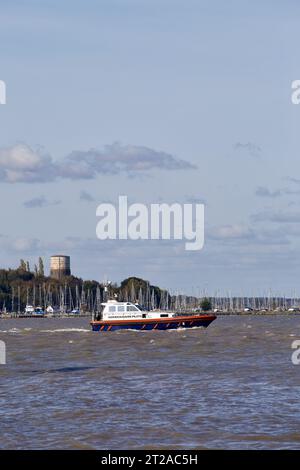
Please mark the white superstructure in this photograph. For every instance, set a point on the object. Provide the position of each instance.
(114, 310)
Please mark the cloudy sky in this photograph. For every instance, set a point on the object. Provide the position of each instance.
(164, 101)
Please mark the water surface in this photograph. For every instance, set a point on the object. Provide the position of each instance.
(232, 386)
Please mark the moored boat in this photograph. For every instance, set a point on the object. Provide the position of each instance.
(29, 310)
(38, 311)
(116, 315)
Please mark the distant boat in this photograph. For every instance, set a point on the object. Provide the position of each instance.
(116, 315)
(29, 310)
(38, 311)
(75, 311)
(50, 310)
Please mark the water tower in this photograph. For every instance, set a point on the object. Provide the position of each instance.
(60, 266)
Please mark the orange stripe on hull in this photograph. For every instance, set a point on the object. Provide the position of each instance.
(191, 319)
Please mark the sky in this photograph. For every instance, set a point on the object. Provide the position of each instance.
(162, 101)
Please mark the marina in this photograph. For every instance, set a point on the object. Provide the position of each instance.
(86, 303)
(26, 293)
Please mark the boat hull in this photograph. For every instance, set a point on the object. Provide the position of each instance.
(154, 324)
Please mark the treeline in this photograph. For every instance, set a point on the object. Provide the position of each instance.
(38, 268)
(23, 286)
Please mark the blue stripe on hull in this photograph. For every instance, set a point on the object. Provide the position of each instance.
(151, 326)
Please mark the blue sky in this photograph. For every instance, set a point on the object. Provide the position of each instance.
(204, 82)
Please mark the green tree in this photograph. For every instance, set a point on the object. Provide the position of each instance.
(23, 266)
(41, 267)
(205, 304)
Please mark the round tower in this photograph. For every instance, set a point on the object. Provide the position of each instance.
(60, 266)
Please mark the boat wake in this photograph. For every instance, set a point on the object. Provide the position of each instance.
(67, 330)
(182, 328)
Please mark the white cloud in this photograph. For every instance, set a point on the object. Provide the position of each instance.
(116, 159)
(40, 201)
(279, 217)
(85, 196)
(239, 235)
(249, 148)
(21, 163)
(262, 191)
(23, 245)
(231, 231)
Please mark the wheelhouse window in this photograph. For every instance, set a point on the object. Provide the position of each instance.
(112, 308)
(132, 308)
(121, 308)
(140, 307)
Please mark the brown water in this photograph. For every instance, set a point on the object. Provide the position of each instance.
(230, 386)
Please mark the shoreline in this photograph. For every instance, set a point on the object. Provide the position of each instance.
(15, 316)
(39, 317)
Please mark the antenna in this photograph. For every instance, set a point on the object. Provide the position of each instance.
(106, 283)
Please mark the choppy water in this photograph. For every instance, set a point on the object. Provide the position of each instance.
(230, 386)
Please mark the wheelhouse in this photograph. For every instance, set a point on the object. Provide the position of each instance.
(113, 310)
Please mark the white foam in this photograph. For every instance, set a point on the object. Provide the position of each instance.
(66, 330)
(182, 328)
(132, 330)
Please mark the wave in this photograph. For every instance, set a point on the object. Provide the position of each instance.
(66, 330)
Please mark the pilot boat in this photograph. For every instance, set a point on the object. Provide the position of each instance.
(116, 315)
